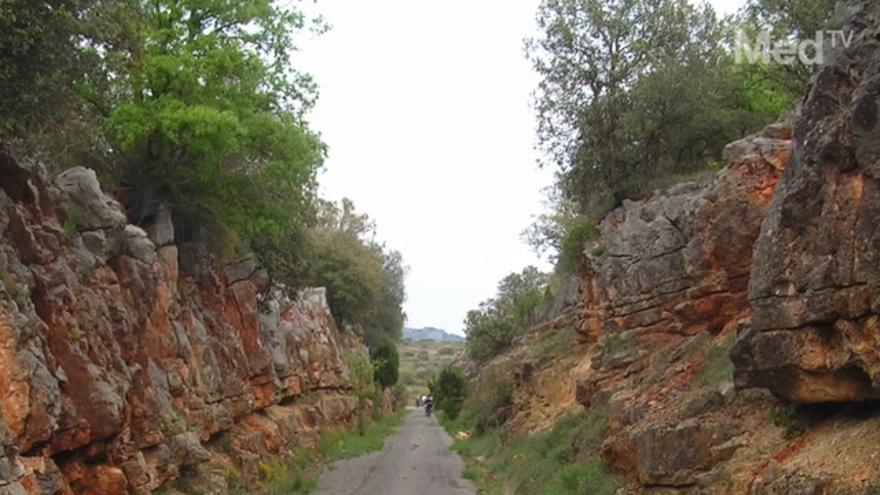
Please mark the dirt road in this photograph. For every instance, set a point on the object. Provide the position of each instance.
(416, 461)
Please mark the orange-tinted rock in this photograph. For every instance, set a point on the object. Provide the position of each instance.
(121, 359)
(815, 286)
(677, 264)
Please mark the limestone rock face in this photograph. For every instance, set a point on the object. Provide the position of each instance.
(117, 370)
(677, 265)
(815, 285)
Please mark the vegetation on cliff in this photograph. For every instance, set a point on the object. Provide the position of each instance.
(638, 95)
(197, 106)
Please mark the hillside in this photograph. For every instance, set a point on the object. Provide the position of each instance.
(422, 360)
(430, 333)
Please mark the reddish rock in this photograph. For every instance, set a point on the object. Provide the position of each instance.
(121, 367)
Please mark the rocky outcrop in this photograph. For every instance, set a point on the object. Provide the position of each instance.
(815, 286)
(677, 265)
(120, 367)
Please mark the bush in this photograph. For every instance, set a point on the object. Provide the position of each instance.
(578, 233)
(487, 403)
(386, 363)
(717, 367)
(449, 389)
(361, 372)
(786, 417)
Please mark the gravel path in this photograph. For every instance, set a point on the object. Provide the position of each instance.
(416, 461)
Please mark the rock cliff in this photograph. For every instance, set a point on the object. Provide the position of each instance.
(126, 360)
(815, 288)
(713, 317)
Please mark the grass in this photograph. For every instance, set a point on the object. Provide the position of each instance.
(298, 475)
(347, 444)
(560, 461)
(555, 343)
(72, 221)
(717, 367)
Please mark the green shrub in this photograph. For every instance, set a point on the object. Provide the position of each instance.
(487, 401)
(72, 221)
(449, 389)
(717, 367)
(577, 234)
(786, 417)
(512, 312)
(361, 372)
(386, 362)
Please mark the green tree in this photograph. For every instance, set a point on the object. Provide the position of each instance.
(211, 116)
(632, 91)
(449, 390)
(387, 364)
(786, 20)
(364, 279)
(493, 326)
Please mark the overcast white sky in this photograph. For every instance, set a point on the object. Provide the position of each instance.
(425, 108)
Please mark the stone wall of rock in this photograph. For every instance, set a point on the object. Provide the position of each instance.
(677, 265)
(815, 287)
(123, 364)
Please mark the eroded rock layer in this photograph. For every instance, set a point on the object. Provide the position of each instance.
(125, 360)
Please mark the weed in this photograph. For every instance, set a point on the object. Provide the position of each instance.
(76, 335)
(488, 401)
(560, 461)
(554, 344)
(786, 417)
(717, 367)
(73, 221)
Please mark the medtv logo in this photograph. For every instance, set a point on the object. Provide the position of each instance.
(766, 50)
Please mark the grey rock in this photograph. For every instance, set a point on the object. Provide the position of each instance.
(161, 231)
(242, 269)
(815, 285)
(95, 210)
(139, 245)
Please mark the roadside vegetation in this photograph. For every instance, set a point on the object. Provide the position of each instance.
(560, 461)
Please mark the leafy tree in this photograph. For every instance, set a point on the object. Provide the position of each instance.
(513, 311)
(211, 117)
(364, 280)
(633, 90)
(449, 390)
(387, 364)
(40, 54)
(786, 20)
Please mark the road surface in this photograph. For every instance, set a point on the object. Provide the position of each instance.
(416, 461)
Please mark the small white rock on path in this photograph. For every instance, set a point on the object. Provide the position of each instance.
(415, 461)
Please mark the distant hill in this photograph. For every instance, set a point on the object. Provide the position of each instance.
(430, 333)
